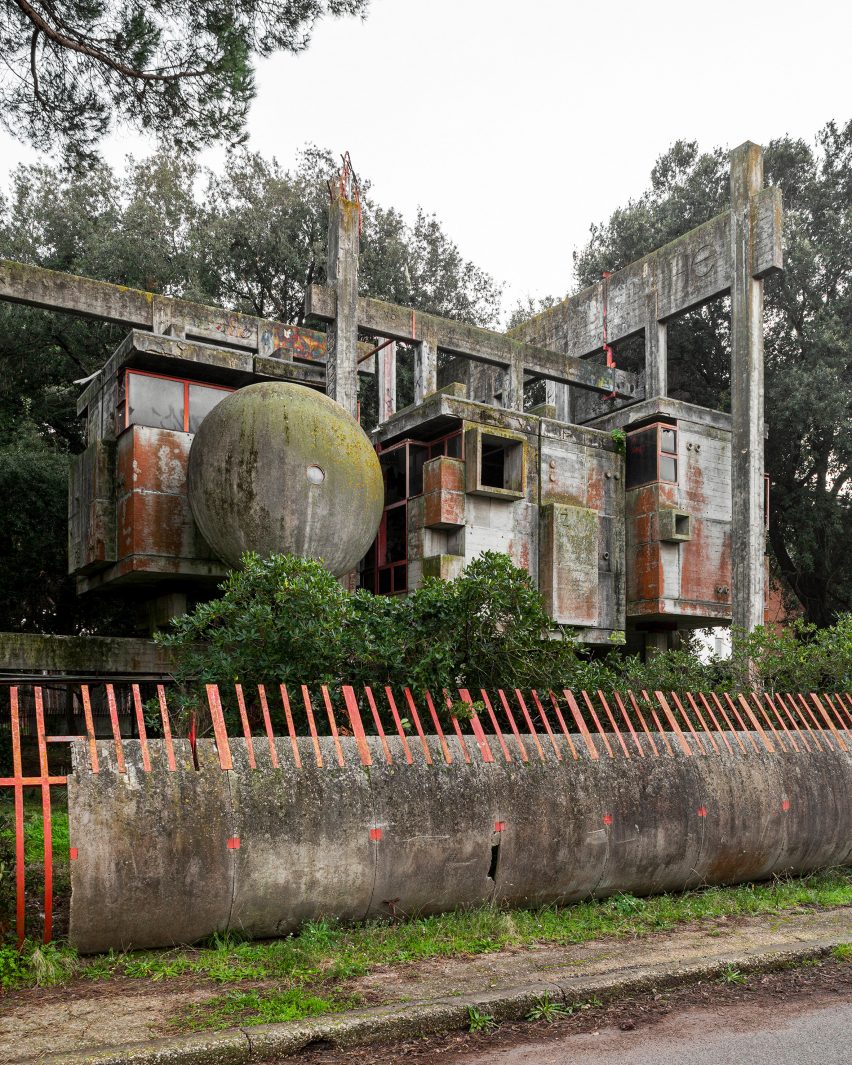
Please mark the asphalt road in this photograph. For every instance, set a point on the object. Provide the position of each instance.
(815, 1031)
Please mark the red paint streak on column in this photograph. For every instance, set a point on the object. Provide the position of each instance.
(20, 863)
(116, 732)
(623, 710)
(529, 722)
(611, 718)
(581, 724)
(357, 725)
(545, 722)
(219, 730)
(241, 703)
(90, 726)
(598, 725)
(234, 843)
(415, 717)
(563, 726)
(140, 727)
(309, 710)
(499, 826)
(607, 819)
(47, 828)
(291, 731)
(375, 834)
(167, 728)
(785, 805)
(330, 711)
(378, 721)
(440, 732)
(402, 737)
(509, 717)
(702, 811)
(507, 754)
(72, 854)
(672, 720)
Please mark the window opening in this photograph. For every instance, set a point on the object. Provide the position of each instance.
(162, 402)
(652, 455)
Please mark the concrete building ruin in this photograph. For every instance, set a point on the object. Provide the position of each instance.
(636, 514)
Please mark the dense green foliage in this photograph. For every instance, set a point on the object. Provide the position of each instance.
(808, 341)
(73, 69)
(249, 239)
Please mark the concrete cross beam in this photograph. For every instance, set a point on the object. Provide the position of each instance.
(472, 342)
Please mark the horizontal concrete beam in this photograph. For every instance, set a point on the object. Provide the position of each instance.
(96, 656)
(471, 342)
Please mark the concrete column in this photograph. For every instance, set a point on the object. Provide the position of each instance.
(747, 428)
(425, 368)
(342, 269)
(386, 381)
(656, 352)
(513, 386)
(558, 395)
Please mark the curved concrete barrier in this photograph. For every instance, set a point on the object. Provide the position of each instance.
(166, 857)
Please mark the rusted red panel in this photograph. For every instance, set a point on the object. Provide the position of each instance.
(444, 474)
(644, 573)
(444, 509)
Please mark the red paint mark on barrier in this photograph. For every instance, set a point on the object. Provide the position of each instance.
(634, 703)
(267, 724)
(416, 719)
(702, 811)
(375, 834)
(598, 726)
(545, 722)
(47, 828)
(378, 722)
(607, 819)
(507, 754)
(140, 727)
(90, 726)
(509, 717)
(20, 865)
(219, 731)
(623, 711)
(72, 854)
(785, 805)
(291, 731)
(241, 703)
(615, 728)
(402, 737)
(440, 732)
(530, 725)
(672, 720)
(563, 726)
(357, 724)
(309, 711)
(456, 726)
(330, 711)
(581, 724)
(234, 843)
(499, 826)
(116, 732)
(167, 728)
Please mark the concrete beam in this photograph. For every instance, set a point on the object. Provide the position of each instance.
(472, 342)
(344, 215)
(82, 656)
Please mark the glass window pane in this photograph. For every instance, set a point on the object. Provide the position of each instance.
(154, 401)
(393, 468)
(396, 535)
(454, 446)
(641, 457)
(436, 451)
(385, 581)
(668, 441)
(201, 401)
(668, 468)
(400, 578)
(417, 456)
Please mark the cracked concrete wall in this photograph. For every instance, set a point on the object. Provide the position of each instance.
(171, 857)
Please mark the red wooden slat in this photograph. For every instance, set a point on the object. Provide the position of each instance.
(416, 719)
(510, 718)
(357, 724)
(330, 711)
(714, 719)
(623, 709)
(845, 700)
(598, 725)
(507, 754)
(219, 731)
(762, 710)
(795, 733)
(732, 706)
(680, 708)
(291, 731)
(90, 726)
(140, 727)
(563, 726)
(720, 706)
(826, 739)
(834, 709)
(20, 858)
(267, 725)
(697, 710)
(241, 703)
(789, 703)
(784, 739)
(660, 730)
(47, 827)
(545, 722)
(167, 728)
(635, 704)
(815, 699)
(581, 724)
(309, 710)
(672, 720)
(767, 743)
(456, 727)
(440, 732)
(116, 732)
(396, 718)
(611, 718)
(528, 719)
(379, 727)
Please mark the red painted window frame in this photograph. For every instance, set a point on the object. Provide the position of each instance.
(185, 381)
(659, 426)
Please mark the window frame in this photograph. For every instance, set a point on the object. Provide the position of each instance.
(185, 381)
(674, 455)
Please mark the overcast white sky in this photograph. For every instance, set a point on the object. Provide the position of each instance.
(521, 122)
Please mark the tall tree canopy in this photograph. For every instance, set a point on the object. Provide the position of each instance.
(248, 239)
(808, 340)
(184, 69)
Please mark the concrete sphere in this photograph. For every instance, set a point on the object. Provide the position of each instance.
(278, 468)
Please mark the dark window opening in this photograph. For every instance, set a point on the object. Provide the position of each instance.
(493, 466)
(652, 455)
(495, 859)
(396, 531)
(501, 464)
(682, 525)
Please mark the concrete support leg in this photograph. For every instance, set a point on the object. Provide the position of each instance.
(425, 368)
(513, 387)
(747, 391)
(343, 249)
(559, 396)
(386, 382)
(656, 352)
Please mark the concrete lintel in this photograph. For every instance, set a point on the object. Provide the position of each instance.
(22, 652)
(662, 405)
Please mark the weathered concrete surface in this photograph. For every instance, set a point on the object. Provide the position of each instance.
(276, 467)
(95, 656)
(352, 841)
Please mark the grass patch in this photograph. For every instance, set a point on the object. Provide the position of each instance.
(302, 973)
(842, 952)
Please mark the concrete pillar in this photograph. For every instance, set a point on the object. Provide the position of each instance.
(747, 421)
(558, 395)
(342, 269)
(386, 381)
(656, 352)
(513, 386)
(425, 368)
